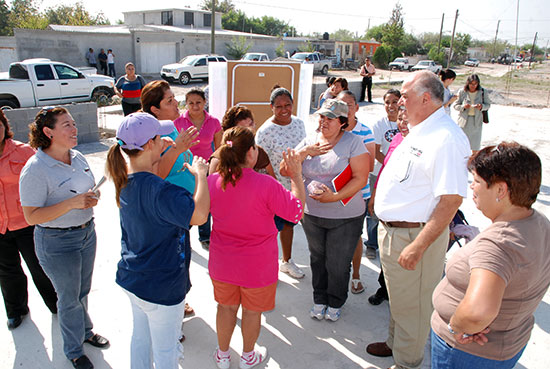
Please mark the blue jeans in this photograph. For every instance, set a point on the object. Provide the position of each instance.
(447, 357)
(155, 338)
(67, 257)
(204, 230)
(112, 70)
(331, 243)
(372, 221)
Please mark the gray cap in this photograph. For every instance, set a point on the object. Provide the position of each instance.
(333, 108)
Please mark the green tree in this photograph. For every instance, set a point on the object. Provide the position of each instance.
(75, 15)
(5, 28)
(307, 47)
(224, 6)
(237, 20)
(460, 47)
(238, 47)
(280, 50)
(375, 33)
(394, 30)
(342, 35)
(25, 14)
(437, 57)
(381, 57)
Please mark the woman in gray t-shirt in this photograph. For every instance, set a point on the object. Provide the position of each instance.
(56, 195)
(332, 228)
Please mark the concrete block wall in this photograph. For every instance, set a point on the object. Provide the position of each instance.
(319, 87)
(71, 47)
(84, 114)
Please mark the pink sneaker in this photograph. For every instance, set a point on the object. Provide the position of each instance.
(258, 357)
(221, 362)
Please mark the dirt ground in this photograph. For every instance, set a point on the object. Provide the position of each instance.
(508, 86)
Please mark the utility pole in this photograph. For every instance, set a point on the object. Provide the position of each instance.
(532, 56)
(452, 41)
(213, 29)
(495, 42)
(368, 26)
(440, 33)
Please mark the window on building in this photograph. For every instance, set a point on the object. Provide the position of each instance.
(43, 72)
(189, 19)
(347, 50)
(207, 20)
(167, 18)
(371, 50)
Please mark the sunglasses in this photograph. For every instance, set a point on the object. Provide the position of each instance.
(46, 110)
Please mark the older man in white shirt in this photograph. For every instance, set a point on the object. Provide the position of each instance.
(418, 193)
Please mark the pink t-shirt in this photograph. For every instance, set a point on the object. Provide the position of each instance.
(210, 126)
(243, 244)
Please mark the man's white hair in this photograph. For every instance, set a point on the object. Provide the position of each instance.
(427, 81)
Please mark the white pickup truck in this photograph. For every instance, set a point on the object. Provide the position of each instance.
(320, 64)
(40, 82)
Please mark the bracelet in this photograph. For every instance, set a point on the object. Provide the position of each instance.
(451, 331)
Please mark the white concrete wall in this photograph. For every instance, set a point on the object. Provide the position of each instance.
(8, 52)
(84, 114)
(71, 47)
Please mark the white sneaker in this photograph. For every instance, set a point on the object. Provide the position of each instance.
(291, 269)
(318, 311)
(333, 314)
(221, 362)
(258, 357)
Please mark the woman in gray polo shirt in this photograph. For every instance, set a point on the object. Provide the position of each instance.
(55, 187)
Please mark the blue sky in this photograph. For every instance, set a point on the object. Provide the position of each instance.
(476, 17)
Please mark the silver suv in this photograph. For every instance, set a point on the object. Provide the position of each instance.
(190, 67)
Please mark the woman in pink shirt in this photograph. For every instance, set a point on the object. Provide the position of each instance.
(243, 261)
(209, 138)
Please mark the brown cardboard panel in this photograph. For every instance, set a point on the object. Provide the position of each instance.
(250, 84)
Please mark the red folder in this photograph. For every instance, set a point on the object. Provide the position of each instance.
(341, 180)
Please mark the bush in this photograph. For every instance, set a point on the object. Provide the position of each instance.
(238, 47)
(280, 50)
(439, 58)
(381, 57)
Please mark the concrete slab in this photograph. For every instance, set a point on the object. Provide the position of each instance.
(294, 339)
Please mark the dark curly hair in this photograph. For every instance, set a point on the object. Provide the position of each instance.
(7, 130)
(234, 115)
(47, 117)
(516, 165)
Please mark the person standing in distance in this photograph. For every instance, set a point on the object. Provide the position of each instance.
(367, 71)
(418, 193)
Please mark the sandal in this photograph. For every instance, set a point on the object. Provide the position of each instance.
(357, 286)
(188, 310)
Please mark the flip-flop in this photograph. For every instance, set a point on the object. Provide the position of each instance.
(357, 286)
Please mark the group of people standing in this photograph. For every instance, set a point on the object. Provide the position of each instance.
(172, 171)
(106, 61)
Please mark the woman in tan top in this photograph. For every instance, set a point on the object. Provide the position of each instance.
(484, 306)
(472, 100)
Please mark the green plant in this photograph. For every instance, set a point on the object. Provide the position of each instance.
(307, 47)
(435, 56)
(280, 50)
(238, 47)
(381, 56)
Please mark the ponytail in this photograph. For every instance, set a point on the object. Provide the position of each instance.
(117, 168)
(236, 143)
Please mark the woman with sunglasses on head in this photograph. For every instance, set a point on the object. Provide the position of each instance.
(155, 217)
(56, 195)
(16, 236)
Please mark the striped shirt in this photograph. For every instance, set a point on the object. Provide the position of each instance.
(367, 136)
(131, 90)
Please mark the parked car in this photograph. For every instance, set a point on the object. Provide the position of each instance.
(427, 65)
(40, 82)
(472, 62)
(320, 64)
(255, 57)
(190, 67)
(401, 64)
